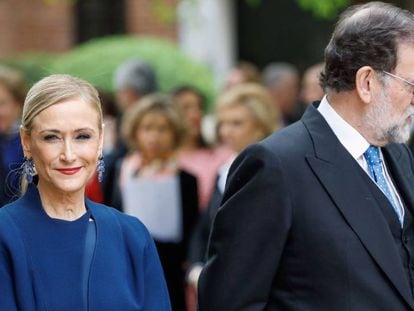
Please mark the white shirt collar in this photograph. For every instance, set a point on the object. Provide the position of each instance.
(349, 137)
(355, 144)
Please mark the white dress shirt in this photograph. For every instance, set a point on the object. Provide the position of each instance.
(355, 144)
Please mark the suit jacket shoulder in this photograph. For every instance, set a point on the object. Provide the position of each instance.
(299, 221)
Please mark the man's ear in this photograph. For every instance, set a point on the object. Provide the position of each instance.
(25, 140)
(364, 83)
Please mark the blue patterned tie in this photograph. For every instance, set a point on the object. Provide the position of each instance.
(373, 158)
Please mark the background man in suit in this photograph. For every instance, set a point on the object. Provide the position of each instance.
(320, 215)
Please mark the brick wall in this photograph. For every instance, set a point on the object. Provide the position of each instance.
(30, 25)
(142, 18)
(49, 25)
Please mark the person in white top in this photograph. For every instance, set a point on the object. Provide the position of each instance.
(320, 215)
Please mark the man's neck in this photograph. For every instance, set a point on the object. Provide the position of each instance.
(348, 105)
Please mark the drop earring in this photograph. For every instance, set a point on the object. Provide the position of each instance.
(100, 168)
(28, 169)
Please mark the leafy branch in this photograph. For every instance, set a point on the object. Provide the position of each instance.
(325, 9)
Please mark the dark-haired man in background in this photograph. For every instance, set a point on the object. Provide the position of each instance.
(320, 215)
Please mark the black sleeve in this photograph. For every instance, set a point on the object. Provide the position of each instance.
(248, 236)
(199, 240)
(116, 197)
(189, 197)
(109, 177)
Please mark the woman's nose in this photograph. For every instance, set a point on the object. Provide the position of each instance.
(68, 153)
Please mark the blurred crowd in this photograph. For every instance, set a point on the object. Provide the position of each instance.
(166, 160)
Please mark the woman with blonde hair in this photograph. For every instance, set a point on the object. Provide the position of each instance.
(245, 115)
(59, 250)
(152, 186)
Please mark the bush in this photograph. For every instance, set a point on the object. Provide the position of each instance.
(96, 61)
(34, 65)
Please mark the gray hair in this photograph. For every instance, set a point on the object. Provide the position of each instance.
(274, 73)
(137, 75)
(365, 35)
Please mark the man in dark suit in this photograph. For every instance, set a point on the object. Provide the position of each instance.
(320, 215)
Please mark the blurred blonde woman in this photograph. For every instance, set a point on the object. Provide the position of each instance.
(151, 185)
(245, 115)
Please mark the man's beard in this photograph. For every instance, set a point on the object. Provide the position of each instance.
(385, 129)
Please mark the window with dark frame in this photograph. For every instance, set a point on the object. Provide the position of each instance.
(98, 18)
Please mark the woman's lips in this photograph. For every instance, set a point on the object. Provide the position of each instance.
(69, 171)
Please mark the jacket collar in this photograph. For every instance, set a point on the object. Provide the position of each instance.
(352, 196)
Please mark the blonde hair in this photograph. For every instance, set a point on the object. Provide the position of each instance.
(257, 100)
(55, 89)
(152, 103)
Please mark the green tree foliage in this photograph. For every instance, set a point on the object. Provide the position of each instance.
(253, 2)
(322, 9)
(325, 9)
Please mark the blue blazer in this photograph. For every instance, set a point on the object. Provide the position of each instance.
(125, 272)
(302, 227)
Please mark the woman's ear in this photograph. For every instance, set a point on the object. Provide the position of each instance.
(25, 140)
(364, 82)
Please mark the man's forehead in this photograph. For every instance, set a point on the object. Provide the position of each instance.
(405, 58)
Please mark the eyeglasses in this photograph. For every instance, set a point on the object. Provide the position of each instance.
(401, 79)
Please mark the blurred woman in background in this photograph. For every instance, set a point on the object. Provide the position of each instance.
(245, 115)
(151, 185)
(12, 94)
(194, 154)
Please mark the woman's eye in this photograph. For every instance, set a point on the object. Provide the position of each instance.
(50, 137)
(83, 136)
